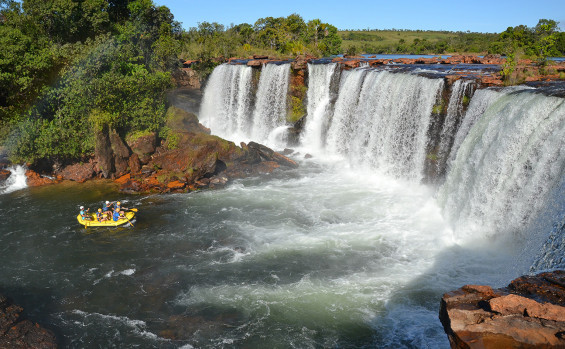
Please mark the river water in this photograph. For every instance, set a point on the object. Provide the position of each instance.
(349, 250)
(320, 256)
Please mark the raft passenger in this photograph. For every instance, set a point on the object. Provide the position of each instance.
(84, 214)
(117, 214)
(101, 216)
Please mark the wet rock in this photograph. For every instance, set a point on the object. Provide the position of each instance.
(17, 332)
(529, 313)
(4, 174)
(79, 172)
(34, 179)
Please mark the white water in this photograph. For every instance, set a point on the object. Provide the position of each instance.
(507, 166)
(452, 120)
(16, 181)
(231, 111)
(482, 99)
(318, 109)
(336, 251)
(270, 106)
(381, 120)
(361, 241)
(227, 102)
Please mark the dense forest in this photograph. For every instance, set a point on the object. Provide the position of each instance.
(69, 69)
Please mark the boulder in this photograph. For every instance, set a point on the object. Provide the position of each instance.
(33, 179)
(103, 154)
(121, 153)
(17, 332)
(79, 172)
(4, 174)
(180, 120)
(529, 313)
(143, 146)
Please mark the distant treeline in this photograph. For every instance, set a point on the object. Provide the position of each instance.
(543, 40)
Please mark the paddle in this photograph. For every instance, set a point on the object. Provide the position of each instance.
(132, 209)
(128, 220)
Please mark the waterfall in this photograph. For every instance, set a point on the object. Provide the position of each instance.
(227, 103)
(481, 100)
(452, 121)
(381, 120)
(508, 164)
(270, 106)
(319, 104)
(16, 181)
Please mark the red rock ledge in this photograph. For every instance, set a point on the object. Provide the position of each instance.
(528, 313)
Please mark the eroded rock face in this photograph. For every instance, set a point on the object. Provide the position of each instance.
(79, 172)
(19, 333)
(529, 313)
(34, 179)
(191, 159)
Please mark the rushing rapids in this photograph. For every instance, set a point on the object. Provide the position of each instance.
(348, 250)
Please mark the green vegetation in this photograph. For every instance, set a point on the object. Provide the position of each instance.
(71, 68)
(542, 41)
(414, 42)
(279, 37)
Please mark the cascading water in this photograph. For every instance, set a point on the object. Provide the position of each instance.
(16, 181)
(479, 103)
(270, 105)
(452, 121)
(227, 103)
(507, 166)
(381, 120)
(319, 105)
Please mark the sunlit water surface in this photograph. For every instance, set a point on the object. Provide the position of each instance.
(321, 256)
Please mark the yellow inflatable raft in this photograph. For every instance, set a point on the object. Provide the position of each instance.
(110, 223)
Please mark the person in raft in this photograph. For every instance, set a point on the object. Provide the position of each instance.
(101, 216)
(84, 214)
(119, 207)
(117, 214)
(107, 209)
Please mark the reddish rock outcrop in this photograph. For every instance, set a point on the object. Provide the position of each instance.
(192, 159)
(34, 179)
(4, 174)
(529, 313)
(79, 172)
(19, 333)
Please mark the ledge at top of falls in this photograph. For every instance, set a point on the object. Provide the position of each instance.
(528, 313)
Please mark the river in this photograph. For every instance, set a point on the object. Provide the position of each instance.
(343, 252)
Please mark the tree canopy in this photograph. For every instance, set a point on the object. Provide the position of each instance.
(69, 68)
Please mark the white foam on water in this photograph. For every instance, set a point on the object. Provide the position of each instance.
(16, 181)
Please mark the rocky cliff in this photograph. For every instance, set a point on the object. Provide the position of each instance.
(187, 159)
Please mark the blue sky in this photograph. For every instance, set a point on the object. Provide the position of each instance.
(476, 16)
